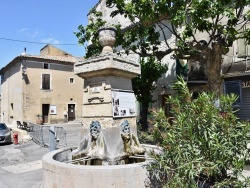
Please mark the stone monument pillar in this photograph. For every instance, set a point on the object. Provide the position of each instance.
(108, 96)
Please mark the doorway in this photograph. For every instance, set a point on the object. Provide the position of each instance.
(45, 113)
(71, 112)
(166, 105)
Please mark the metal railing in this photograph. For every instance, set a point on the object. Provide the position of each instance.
(40, 135)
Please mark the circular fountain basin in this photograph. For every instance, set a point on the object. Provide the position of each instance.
(58, 174)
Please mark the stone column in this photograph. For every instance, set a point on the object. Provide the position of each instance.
(102, 76)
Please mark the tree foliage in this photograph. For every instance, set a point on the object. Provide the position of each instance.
(90, 34)
(143, 85)
(202, 143)
(220, 20)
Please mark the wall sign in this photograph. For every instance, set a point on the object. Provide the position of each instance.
(53, 110)
(123, 103)
(95, 90)
(245, 84)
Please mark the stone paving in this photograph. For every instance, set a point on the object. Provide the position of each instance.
(24, 167)
(21, 164)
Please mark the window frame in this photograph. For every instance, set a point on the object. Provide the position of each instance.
(42, 82)
(243, 49)
(72, 79)
(46, 64)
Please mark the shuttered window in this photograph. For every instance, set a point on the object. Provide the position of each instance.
(235, 88)
(46, 81)
(243, 48)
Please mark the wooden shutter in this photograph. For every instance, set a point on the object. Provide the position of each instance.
(46, 81)
(241, 44)
(247, 46)
(243, 48)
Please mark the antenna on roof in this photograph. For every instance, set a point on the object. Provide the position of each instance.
(24, 53)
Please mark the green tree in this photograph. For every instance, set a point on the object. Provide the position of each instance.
(143, 85)
(220, 20)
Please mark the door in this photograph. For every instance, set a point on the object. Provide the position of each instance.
(71, 112)
(45, 113)
(166, 105)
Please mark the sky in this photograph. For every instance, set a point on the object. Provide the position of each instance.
(32, 24)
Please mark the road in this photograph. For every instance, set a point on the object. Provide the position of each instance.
(21, 165)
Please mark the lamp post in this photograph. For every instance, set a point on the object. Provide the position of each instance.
(24, 69)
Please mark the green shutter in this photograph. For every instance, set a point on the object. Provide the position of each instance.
(181, 69)
(248, 46)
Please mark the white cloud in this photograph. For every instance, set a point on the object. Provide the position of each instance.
(27, 32)
(35, 34)
(25, 29)
(50, 40)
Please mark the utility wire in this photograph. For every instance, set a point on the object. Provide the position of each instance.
(15, 40)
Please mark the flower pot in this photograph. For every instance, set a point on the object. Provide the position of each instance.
(39, 121)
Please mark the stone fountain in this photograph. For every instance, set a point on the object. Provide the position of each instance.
(109, 153)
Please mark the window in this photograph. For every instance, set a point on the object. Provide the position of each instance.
(2, 78)
(243, 48)
(46, 81)
(46, 66)
(11, 110)
(71, 80)
(234, 87)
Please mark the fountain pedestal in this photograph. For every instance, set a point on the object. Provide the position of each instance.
(108, 96)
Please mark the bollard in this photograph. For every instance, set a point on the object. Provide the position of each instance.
(52, 138)
(15, 137)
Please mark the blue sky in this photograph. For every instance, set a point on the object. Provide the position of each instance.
(40, 21)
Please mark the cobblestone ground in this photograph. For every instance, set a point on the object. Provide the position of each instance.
(21, 164)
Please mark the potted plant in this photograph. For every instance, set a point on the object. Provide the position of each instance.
(204, 146)
(39, 119)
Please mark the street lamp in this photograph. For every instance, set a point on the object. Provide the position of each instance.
(24, 69)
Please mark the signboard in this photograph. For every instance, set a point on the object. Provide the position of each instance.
(123, 104)
(95, 90)
(245, 84)
(53, 110)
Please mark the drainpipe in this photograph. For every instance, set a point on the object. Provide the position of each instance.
(246, 56)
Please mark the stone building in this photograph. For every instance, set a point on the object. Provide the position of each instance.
(41, 85)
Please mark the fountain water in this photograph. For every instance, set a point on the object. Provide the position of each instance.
(109, 151)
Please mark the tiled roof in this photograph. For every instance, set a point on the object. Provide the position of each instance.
(43, 58)
(69, 59)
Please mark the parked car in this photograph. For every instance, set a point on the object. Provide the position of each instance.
(5, 134)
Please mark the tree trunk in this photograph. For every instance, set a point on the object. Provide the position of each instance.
(144, 116)
(214, 64)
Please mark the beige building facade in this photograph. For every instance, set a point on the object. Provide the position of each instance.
(41, 85)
